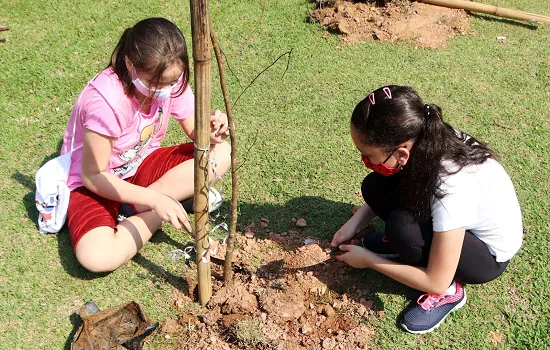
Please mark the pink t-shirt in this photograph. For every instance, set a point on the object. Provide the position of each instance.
(103, 107)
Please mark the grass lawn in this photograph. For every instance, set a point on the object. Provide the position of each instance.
(301, 161)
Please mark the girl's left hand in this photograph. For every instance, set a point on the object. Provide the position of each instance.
(219, 127)
(354, 255)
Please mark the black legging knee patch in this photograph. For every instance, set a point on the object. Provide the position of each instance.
(410, 239)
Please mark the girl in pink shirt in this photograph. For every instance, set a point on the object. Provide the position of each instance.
(115, 131)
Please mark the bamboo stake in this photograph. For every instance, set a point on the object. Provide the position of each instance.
(227, 267)
(201, 60)
(488, 9)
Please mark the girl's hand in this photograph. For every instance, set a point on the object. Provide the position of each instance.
(345, 233)
(219, 127)
(354, 256)
(169, 209)
(361, 217)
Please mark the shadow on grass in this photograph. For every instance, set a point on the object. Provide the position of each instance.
(158, 273)
(76, 321)
(28, 198)
(323, 216)
(516, 23)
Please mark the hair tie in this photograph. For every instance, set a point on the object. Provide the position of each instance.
(427, 110)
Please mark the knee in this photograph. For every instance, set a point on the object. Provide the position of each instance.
(96, 258)
(374, 189)
(398, 225)
(368, 187)
(222, 154)
(405, 235)
(97, 262)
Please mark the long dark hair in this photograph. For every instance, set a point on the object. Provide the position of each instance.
(152, 45)
(399, 115)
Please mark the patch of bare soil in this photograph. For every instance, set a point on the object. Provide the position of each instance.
(274, 303)
(400, 20)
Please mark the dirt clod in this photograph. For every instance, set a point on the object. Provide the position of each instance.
(305, 256)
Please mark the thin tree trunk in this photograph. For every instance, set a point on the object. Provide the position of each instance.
(227, 268)
(201, 59)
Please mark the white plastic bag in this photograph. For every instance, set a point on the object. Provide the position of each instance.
(52, 194)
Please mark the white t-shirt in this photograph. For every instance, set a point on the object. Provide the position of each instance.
(482, 199)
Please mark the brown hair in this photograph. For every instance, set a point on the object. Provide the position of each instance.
(152, 45)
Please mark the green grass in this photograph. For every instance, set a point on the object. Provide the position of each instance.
(301, 162)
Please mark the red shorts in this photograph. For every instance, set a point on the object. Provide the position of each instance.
(88, 210)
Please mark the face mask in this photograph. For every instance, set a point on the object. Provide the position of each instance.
(158, 94)
(382, 168)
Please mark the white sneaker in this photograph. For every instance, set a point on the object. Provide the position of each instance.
(215, 200)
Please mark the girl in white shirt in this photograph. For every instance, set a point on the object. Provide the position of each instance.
(450, 210)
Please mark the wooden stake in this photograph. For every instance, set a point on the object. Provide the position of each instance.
(201, 59)
(489, 9)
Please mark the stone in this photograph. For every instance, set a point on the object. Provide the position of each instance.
(328, 343)
(301, 222)
(306, 329)
(328, 311)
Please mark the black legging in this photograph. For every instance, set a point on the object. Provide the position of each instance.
(412, 240)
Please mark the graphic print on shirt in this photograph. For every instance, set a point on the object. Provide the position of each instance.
(133, 157)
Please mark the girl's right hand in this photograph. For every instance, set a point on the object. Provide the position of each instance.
(219, 127)
(169, 209)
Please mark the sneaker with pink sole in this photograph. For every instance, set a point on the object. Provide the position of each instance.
(431, 310)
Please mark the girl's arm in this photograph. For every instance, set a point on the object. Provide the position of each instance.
(95, 160)
(435, 278)
(188, 126)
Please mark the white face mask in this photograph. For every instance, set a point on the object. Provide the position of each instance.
(158, 94)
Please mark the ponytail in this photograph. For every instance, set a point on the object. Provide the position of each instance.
(118, 61)
(420, 179)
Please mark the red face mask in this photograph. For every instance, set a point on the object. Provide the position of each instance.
(381, 168)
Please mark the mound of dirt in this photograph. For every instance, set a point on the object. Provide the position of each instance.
(273, 304)
(423, 24)
(306, 256)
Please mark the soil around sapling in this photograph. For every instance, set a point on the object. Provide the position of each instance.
(274, 302)
(424, 25)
